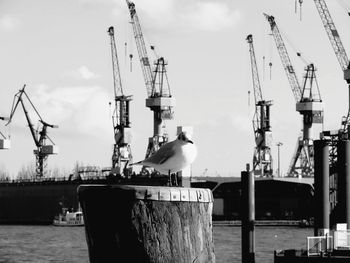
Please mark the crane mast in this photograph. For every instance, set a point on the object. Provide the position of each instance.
(122, 155)
(262, 158)
(40, 137)
(308, 104)
(159, 98)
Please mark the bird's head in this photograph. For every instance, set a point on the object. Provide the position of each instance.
(183, 137)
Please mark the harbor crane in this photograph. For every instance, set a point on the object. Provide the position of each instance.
(308, 104)
(339, 50)
(122, 156)
(262, 159)
(159, 98)
(5, 143)
(40, 137)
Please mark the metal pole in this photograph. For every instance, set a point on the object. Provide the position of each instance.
(279, 167)
(248, 217)
(321, 177)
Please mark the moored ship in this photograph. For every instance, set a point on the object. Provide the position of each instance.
(68, 218)
(38, 201)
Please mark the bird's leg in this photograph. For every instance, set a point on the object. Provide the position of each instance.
(170, 183)
(176, 184)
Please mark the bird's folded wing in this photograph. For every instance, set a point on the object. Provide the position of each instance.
(162, 155)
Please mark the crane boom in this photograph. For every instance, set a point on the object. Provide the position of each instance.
(287, 64)
(141, 49)
(262, 159)
(117, 81)
(256, 82)
(332, 34)
(154, 88)
(341, 55)
(30, 124)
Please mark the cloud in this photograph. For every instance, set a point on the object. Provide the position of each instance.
(203, 15)
(82, 109)
(82, 73)
(212, 16)
(241, 123)
(160, 10)
(8, 23)
(85, 73)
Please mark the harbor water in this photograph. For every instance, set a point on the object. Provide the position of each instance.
(68, 244)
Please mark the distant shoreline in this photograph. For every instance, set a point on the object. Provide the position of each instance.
(292, 223)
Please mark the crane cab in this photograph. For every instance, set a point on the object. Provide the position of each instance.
(47, 149)
(5, 144)
(347, 75)
(50, 149)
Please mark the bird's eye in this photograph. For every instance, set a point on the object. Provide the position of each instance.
(183, 137)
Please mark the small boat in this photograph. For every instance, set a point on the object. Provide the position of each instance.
(69, 219)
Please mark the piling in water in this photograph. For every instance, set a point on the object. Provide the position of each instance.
(147, 224)
(248, 217)
(321, 177)
(344, 181)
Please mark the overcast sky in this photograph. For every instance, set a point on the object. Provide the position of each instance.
(60, 49)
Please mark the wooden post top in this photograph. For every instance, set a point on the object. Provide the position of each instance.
(160, 193)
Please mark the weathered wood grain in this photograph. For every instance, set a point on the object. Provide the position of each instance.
(147, 224)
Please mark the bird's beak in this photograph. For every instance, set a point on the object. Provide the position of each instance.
(190, 141)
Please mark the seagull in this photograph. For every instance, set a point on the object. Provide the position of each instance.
(173, 156)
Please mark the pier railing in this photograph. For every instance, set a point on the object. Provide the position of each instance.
(342, 239)
(50, 180)
(319, 245)
(324, 244)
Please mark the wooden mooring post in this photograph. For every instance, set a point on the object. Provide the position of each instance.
(125, 223)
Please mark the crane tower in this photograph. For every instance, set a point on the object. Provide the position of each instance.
(308, 104)
(262, 159)
(159, 98)
(40, 137)
(122, 155)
